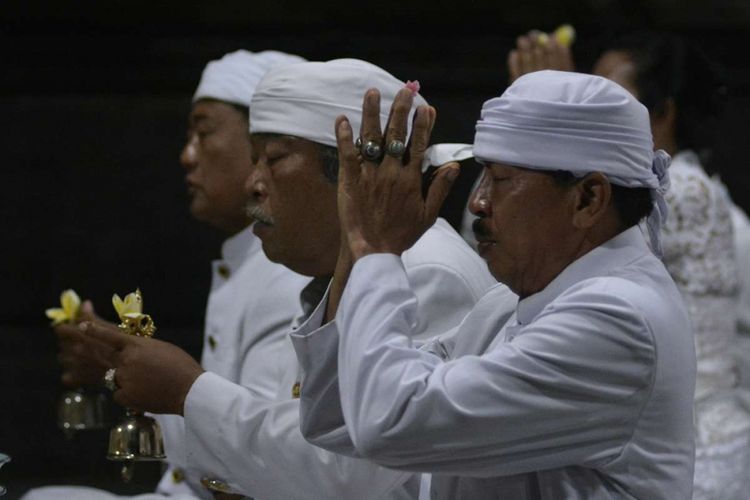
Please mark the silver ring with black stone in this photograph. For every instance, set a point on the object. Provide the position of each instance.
(371, 151)
(396, 149)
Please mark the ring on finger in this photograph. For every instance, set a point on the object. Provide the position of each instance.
(109, 380)
(396, 149)
(371, 151)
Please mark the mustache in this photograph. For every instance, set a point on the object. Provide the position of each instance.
(254, 211)
(480, 230)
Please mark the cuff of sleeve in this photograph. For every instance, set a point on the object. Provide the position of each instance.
(316, 348)
(376, 270)
(373, 272)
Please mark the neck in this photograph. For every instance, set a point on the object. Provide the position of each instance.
(578, 247)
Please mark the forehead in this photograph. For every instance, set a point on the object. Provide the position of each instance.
(263, 141)
(508, 169)
(212, 109)
(523, 178)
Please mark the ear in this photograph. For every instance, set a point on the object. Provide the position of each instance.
(593, 194)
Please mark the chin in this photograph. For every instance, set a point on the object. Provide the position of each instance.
(498, 271)
(268, 250)
(199, 210)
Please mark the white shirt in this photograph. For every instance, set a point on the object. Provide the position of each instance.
(587, 392)
(255, 445)
(250, 307)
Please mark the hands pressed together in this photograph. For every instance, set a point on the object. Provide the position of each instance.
(536, 51)
(380, 202)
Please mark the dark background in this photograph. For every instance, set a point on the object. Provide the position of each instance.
(94, 98)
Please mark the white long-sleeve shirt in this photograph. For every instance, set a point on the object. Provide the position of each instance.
(586, 392)
(251, 306)
(255, 446)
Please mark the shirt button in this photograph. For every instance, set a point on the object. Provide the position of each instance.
(296, 390)
(178, 476)
(212, 342)
(224, 271)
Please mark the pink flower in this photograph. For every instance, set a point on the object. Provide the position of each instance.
(413, 86)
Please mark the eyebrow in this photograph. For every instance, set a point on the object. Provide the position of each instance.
(270, 136)
(198, 118)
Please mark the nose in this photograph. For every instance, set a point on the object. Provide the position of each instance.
(479, 202)
(255, 186)
(189, 154)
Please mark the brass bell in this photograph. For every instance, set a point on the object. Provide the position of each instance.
(79, 410)
(136, 439)
(4, 459)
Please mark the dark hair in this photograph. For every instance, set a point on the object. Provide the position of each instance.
(669, 67)
(632, 204)
(329, 158)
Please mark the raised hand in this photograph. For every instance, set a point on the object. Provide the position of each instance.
(380, 202)
(536, 51)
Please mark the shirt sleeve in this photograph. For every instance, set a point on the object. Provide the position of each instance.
(264, 359)
(568, 390)
(256, 447)
(442, 297)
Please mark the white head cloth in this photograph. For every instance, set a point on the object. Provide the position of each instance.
(233, 78)
(553, 120)
(304, 100)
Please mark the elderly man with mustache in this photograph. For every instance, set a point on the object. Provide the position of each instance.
(586, 391)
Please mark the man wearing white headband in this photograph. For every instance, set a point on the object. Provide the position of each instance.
(253, 446)
(586, 391)
(252, 301)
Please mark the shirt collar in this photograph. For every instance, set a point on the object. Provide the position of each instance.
(312, 294)
(235, 250)
(623, 248)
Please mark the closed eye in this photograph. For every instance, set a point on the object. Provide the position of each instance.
(202, 132)
(273, 159)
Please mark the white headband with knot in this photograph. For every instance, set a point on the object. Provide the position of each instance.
(233, 78)
(304, 100)
(555, 120)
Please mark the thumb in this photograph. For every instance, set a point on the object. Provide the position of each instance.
(439, 188)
